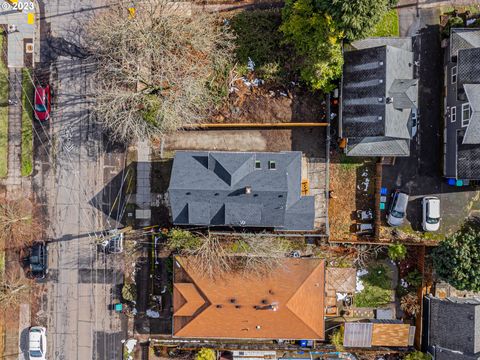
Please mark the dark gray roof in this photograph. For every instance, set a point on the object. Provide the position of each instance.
(404, 43)
(472, 134)
(454, 326)
(378, 94)
(461, 38)
(378, 146)
(468, 68)
(209, 188)
(468, 159)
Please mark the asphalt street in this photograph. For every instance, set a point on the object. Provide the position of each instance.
(69, 172)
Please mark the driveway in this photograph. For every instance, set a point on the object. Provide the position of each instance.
(421, 173)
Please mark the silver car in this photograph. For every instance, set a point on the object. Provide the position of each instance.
(398, 209)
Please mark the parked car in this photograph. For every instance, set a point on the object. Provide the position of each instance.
(43, 100)
(37, 343)
(37, 260)
(398, 208)
(431, 213)
(113, 243)
(414, 117)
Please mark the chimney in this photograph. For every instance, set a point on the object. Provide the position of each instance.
(248, 189)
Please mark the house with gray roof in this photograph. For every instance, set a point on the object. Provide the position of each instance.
(378, 94)
(452, 328)
(462, 105)
(240, 189)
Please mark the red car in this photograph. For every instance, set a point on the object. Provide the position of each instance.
(43, 99)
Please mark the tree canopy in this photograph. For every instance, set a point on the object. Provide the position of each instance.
(457, 259)
(315, 37)
(157, 69)
(354, 18)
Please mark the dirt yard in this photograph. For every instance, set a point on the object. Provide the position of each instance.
(351, 189)
(264, 104)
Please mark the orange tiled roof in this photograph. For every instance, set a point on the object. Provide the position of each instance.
(287, 304)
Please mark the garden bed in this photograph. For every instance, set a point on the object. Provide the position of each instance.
(351, 188)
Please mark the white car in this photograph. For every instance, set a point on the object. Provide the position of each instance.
(37, 343)
(431, 213)
(398, 208)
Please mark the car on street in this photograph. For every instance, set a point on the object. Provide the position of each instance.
(414, 117)
(398, 208)
(431, 213)
(37, 343)
(42, 102)
(37, 261)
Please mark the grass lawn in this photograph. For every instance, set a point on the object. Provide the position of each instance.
(3, 113)
(27, 123)
(377, 287)
(388, 25)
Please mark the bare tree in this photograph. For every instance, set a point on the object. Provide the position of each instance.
(155, 68)
(14, 289)
(248, 254)
(18, 227)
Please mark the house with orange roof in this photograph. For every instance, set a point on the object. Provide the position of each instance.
(285, 304)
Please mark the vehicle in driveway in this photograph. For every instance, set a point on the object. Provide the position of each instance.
(414, 117)
(37, 261)
(37, 343)
(431, 213)
(398, 208)
(42, 102)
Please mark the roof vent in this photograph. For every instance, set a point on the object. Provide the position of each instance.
(219, 306)
(380, 117)
(470, 338)
(258, 327)
(233, 300)
(238, 306)
(248, 189)
(389, 100)
(380, 81)
(380, 99)
(264, 301)
(470, 317)
(380, 63)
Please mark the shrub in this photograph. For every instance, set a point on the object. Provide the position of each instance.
(129, 292)
(454, 21)
(414, 278)
(337, 339)
(183, 240)
(409, 304)
(397, 252)
(418, 355)
(456, 259)
(205, 354)
(317, 40)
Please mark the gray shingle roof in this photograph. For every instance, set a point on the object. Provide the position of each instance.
(209, 188)
(454, 326)
(461, 38)
(468, 68)
(378, 146)
(472, 134)
(398, 42)
(378, 94)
